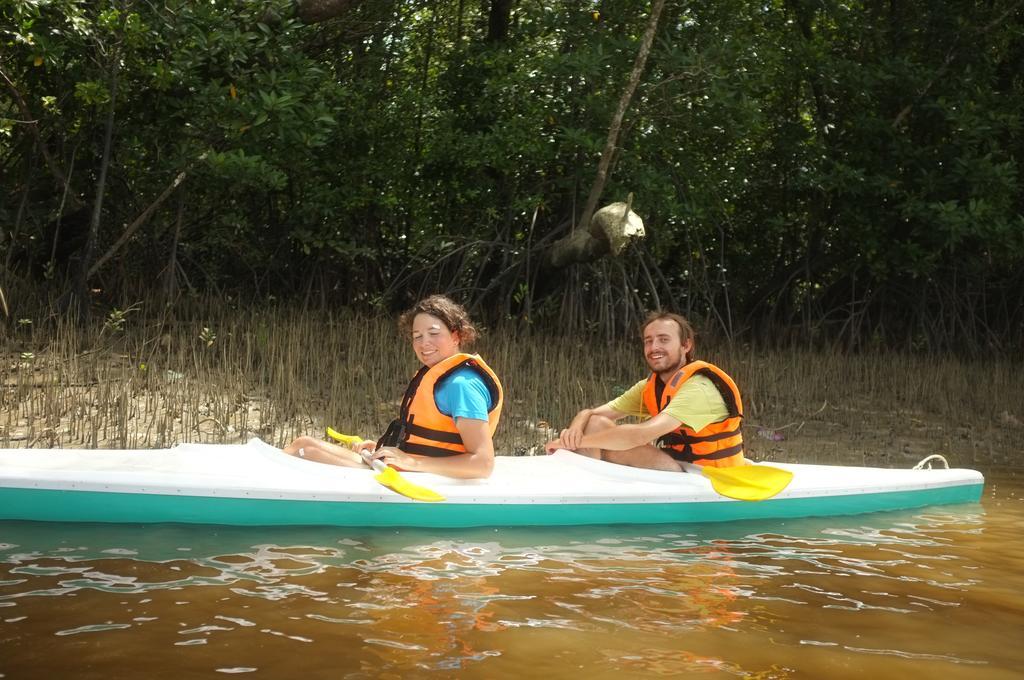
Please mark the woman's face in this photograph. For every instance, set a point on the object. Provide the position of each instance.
(431, 339)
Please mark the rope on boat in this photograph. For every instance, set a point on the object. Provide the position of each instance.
(927, 462)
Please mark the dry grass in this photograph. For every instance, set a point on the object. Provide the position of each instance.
(881, 409)
(276, 373)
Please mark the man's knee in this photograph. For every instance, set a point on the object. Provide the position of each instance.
(598, 424)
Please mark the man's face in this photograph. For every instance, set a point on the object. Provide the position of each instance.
(663, 349)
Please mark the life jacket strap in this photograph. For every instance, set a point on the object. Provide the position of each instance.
(393, 435)
(678, 438)
(689, 456)
(432, 434)
(728, 395)
(427, 450)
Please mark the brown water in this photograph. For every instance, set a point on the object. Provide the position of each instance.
(936, 593)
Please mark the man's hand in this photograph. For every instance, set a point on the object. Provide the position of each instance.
(572, 437)
(554, 445)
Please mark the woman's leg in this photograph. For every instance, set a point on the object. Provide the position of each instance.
(320, 451)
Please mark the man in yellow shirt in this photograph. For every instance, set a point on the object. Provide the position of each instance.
(693, 409)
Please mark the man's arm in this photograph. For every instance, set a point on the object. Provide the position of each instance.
(629, 436)
(570, 437)
(629, 403)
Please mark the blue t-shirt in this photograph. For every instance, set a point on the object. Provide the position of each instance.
(463, 394)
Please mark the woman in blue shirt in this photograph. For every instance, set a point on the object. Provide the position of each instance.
(450, 410)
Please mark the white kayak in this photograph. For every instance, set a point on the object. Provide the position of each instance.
(257, 484)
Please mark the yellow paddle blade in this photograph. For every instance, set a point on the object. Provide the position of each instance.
(396, 482)
(748, 482)
(389, 477)
(343, 438)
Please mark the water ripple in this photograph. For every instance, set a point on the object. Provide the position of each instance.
(94, 628)
(743, 600)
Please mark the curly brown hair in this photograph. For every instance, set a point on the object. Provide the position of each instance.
(451, 313)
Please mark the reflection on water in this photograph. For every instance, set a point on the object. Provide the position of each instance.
(935, 593)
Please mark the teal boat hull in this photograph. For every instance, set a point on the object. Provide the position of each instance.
(88, 506)
(257, 485)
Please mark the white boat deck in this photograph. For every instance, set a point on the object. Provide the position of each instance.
(258, 470)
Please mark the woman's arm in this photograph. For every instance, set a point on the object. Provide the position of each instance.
(476, 463)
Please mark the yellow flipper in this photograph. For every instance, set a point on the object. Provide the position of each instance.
(745, 482)
(388, 476)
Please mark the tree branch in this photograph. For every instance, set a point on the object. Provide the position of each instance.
(315, 11)
(33, 124)
(613, 130)
(136, 223)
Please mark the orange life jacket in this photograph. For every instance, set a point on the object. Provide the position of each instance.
(719, 444)
(421, 428)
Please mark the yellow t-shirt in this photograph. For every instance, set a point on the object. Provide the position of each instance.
(697, 404)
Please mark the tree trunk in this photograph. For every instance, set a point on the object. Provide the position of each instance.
(458, 24)
(498, 19)
(314, 11)
(613, 130)
(171, 273)
(136, 223)
(33, 123)
(20, 215)
(590, 239)
(614, 226)
(81, 285)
